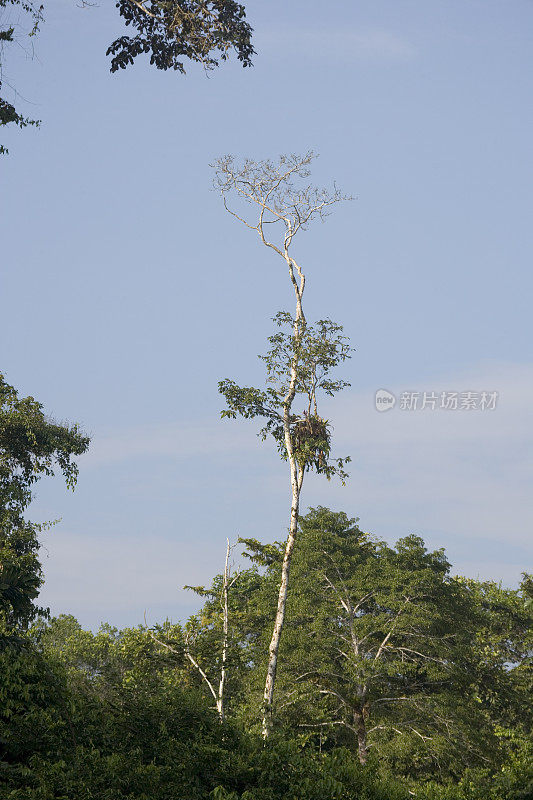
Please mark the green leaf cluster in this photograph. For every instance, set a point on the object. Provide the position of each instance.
(309, 353)
(170, 31)
(31, 446)
(34, 13)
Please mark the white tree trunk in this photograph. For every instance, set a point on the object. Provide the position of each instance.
(225, 613)
(270, 188)
(218, 696)
(297, 475)
(268, 697)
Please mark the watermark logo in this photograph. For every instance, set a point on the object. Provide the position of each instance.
(443, 401)
(384, 400)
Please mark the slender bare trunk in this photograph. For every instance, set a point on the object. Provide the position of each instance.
(225, 613)
(297, 476)
(218, 695)
(280, 613)
(270, 187)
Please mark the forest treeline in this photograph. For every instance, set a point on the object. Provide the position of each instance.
(394, 679)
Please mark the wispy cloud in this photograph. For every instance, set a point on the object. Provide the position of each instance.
(463, 475)
(371, 44)
(170, 440)
(121, 578)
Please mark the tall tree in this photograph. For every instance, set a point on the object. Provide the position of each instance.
(377, 649)
(300, 360)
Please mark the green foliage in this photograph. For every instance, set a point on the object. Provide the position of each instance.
(513, 781)
(312, 352)
(526, 586)
(316, 349)
(20, 575)
(8, 35)
(204, 635)
(289, 769)
(33, 710)
(31, 446)
(108, 716)
(500, 656)
(171, 30)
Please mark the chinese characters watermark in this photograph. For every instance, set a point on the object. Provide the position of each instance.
(431, 401)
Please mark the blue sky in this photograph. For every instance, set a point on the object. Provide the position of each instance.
(127, 292)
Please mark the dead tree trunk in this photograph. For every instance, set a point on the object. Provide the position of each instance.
(218, 695)
(225, 629)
